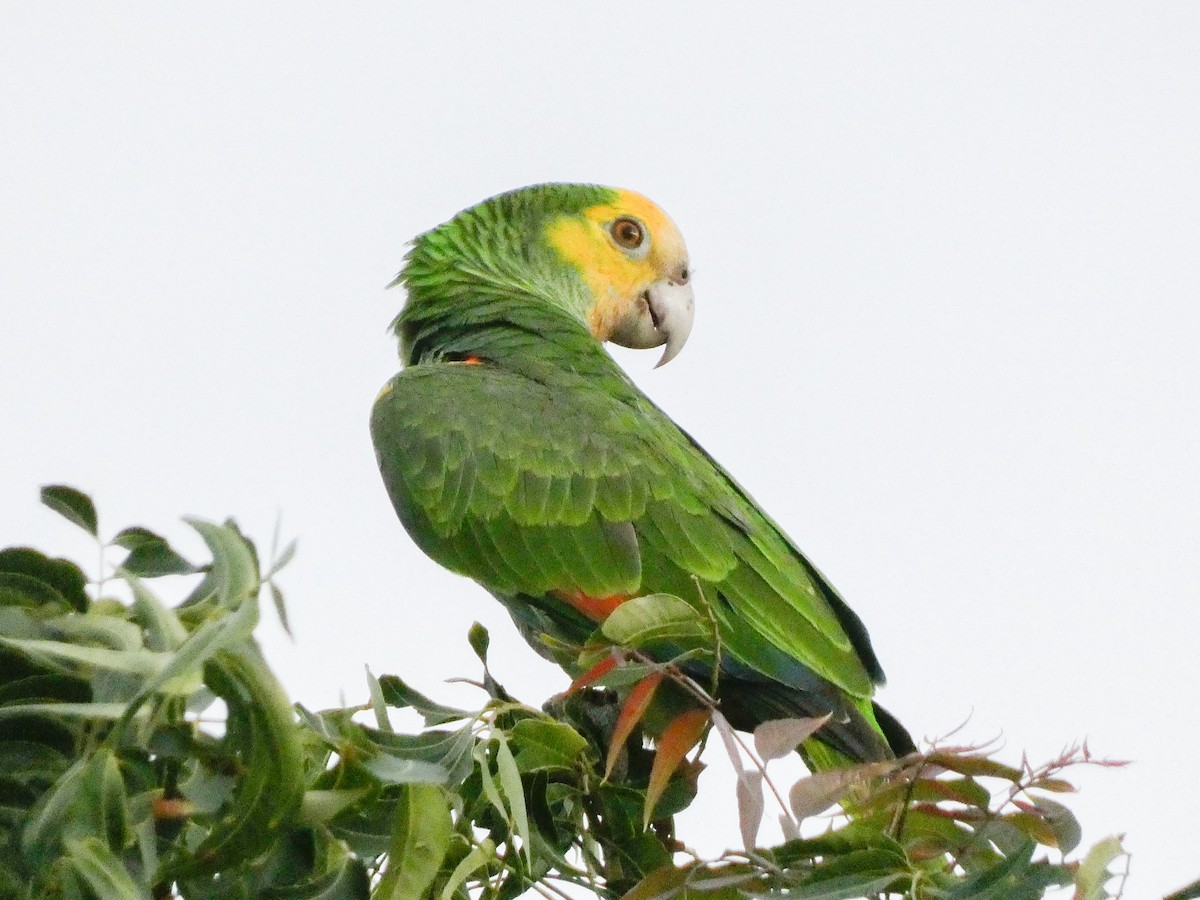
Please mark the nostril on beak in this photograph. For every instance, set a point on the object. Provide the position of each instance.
(683, 276)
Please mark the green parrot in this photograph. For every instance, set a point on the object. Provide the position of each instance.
(516, 452)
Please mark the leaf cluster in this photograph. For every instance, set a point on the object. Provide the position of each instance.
(147, 751)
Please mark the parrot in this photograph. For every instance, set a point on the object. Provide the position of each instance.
(518, 453)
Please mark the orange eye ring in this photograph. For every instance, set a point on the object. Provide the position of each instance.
(628, 233)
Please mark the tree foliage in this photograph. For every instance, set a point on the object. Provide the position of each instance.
(147, 750)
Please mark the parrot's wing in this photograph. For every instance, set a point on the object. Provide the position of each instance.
(531, 487)
(512, 483)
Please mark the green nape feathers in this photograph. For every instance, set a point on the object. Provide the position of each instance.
(517, 453)
(486, 265)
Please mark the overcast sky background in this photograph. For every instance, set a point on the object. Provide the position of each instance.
(947, 269)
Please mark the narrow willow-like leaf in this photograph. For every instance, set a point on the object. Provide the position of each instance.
(420, 839)
(398, 694)
(280, 608)
(514, 794)
(87, 801)
(1093, 872)
(270, 787)
(319, 806)
(71, 710)
(480, 855)
(488, 781)
(102, 871)
(233, 577)
(844, 887)
(378, 704)
(186, 663)
(164, 630)
(133, 662)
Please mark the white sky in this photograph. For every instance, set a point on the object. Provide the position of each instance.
(947, 275)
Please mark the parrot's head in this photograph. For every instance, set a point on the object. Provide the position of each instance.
(610, 257)
(634, 263)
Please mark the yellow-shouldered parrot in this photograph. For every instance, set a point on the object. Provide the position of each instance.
(518, 453)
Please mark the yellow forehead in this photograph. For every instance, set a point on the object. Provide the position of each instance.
(614, 276)
(666, 243)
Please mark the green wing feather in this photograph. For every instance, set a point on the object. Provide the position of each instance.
(531, 487)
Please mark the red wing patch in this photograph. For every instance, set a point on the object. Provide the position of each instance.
(595, 608)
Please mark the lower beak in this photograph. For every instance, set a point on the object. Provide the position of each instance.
(662, 315)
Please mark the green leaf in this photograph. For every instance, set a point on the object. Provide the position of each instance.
(367, 827)
(965, 764)
(150, 555)
(480, 855)
(964, 790)
(87, 801)
(514, 793)
(184, 666)
(1093, 874)
(260, 731)
(1034, 826)
(491, 789)
(280, 561)
(1057, 785)
(280, 608)
(654, 618)
(450, 751)
(1061, 820)
(164, 631)
(398, 694)
(420, 839)
(378, 704)
(1187, 892)
(233, 577)
(74, 710)
(27, 592)
(394, 770)
(96, 628)
(64, 577)
(132, 662)
(102, 871)
(73, 505)
(319, 807)
(661, 884)
(845, 887)
(31, 764)
(543, 744)
(479, 639)
(1016, 878)
(872, 862)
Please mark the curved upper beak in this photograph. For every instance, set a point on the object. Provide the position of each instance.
(662, 315)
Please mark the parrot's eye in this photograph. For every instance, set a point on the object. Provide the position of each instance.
(628, 233)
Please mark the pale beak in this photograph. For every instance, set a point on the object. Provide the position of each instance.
(662, 315)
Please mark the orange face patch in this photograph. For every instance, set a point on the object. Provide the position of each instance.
(616, 276)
